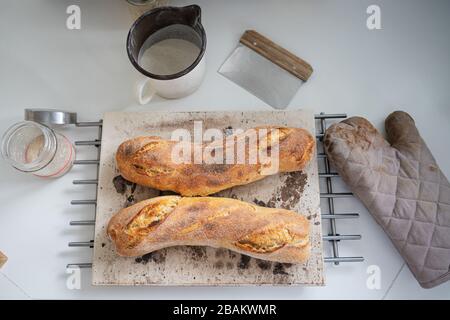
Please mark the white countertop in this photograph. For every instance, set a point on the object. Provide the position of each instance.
(360, 72)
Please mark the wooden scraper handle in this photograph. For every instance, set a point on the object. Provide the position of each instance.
(278, 55)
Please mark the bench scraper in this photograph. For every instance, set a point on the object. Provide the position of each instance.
(266, 70)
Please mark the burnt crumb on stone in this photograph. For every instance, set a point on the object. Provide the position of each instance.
(289, 194)
(120, 184)
(293, 189)
(231, 254)
(269, 204)
(259, 202)
(317, 223)
(217, 194)
(220, 253)
(279, 269)
(159, 256)
(103, 245)
(244, 262)
(263, 264)
(156, 256)
(198, 253)
(144, 259)
(130, 200)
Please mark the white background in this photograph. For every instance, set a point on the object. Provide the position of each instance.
(369, 73)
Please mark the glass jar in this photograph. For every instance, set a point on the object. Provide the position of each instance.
(34, 148)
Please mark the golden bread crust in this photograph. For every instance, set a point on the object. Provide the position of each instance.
(148, 161)
(265, 233)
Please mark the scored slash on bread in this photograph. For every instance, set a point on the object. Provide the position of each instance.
(265, 233)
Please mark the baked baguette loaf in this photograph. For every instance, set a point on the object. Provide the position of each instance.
(148, 161)
(265, 233)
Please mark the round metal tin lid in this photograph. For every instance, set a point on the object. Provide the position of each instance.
(51, 117)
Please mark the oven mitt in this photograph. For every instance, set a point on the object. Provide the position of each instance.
(401, 185)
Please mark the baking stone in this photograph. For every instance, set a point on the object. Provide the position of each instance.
(188, 266)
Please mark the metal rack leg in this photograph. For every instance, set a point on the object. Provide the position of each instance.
(334, 244)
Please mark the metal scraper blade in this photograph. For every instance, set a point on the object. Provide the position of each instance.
(258, 75)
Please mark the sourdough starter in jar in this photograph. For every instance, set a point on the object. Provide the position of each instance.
(62, 160)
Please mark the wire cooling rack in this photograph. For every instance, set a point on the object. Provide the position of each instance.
(331, 235)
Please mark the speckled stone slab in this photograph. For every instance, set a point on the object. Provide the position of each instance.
(185, 265)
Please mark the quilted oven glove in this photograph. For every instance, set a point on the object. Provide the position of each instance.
(401, 185)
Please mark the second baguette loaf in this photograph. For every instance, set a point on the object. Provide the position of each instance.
(265, 233)
(148, 161)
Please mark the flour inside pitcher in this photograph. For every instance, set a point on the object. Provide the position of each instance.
(168, 56)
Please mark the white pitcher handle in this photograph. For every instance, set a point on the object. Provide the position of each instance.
(144, 91)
